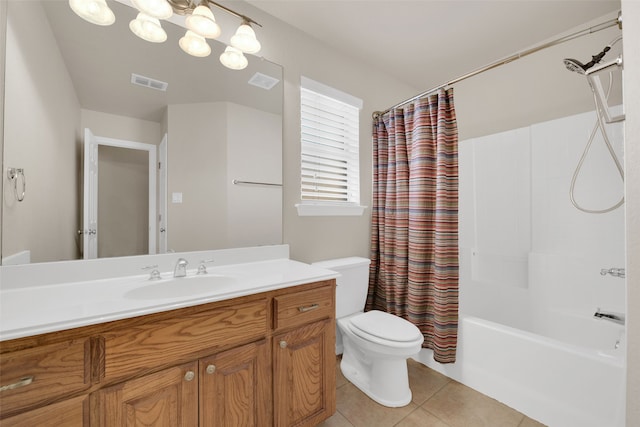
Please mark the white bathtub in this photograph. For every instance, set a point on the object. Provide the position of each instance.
(557, 383)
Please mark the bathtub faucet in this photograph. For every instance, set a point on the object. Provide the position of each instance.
(615, 272)
(613, 317)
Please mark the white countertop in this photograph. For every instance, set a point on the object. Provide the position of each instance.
(40, 309)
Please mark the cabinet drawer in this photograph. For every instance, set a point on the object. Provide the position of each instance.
(73, 413)
(303, 307)
(34, 376)
(137, 348)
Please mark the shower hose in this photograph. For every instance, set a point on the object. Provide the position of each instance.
(598, 125)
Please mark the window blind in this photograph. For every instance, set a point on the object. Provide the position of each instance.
(330, 160)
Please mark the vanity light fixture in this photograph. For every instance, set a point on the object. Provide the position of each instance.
(202, 22)
(95, 11)
(199, 19)
(245, 39)
(148, 28)
(159, 9)
(194, 44)
(233, 58)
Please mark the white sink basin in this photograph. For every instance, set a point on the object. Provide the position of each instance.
(183, 287)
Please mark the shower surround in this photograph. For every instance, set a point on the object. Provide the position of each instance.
(530, 278)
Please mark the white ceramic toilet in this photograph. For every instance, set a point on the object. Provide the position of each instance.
(374, 345)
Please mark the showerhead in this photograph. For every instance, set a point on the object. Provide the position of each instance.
(574, 65)
(579, 67)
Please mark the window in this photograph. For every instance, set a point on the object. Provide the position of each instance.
(330, 172)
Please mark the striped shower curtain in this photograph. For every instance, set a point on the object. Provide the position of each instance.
(414, 232)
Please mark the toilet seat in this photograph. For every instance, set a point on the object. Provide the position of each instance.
(385, 329)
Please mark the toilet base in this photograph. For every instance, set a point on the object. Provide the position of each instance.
(386, 381)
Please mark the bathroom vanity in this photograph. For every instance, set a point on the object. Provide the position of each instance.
(259, 354)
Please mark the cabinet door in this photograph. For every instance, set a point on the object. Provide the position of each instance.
(235, 387)
(166, 398)
(304, 375)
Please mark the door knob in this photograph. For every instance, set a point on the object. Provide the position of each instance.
(189, 376)
(283, 344)
(211, 369)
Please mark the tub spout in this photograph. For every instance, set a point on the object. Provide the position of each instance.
(613, 317)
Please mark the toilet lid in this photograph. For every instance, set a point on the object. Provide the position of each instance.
(385, 326)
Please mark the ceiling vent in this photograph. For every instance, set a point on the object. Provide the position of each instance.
(263, 81)
(139, 80)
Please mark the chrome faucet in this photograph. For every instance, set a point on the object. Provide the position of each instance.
(181, 268)
(613, 317)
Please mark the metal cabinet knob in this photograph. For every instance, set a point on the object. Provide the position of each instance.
(283, 344)
(211, 369)
(189, 376)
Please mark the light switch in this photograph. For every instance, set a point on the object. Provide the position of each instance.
(176, 197)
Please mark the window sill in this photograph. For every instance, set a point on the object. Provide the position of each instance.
(327, 209)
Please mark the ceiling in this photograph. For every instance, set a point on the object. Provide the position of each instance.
(448, 38)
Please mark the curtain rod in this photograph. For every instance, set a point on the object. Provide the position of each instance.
(511, 58)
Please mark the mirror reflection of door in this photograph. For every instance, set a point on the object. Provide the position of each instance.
(162, 195)
(120, 198)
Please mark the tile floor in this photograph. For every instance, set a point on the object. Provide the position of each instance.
(437, 402)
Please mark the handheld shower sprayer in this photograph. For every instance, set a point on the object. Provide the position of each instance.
(578, 67)
(600, 99)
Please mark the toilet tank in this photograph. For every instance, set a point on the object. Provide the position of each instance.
(353, 283)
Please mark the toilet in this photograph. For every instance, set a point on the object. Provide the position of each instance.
(374, 345)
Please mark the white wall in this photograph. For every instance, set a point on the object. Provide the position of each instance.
(521, 237)
(40, 90)
(631, 32)
(535, 88)
(197, 151)
(254, 153)
(210, 145)
(317, 238)
(121, 127)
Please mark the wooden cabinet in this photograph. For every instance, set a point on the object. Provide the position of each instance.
(235, 387)
(304, 357)
(168, 398)
(260, 360)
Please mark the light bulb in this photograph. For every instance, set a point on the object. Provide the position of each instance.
(159, 9)
(202, 22)
(194, 44)
(233, 58)
(94, 11)
(245, 39)
(148, 28)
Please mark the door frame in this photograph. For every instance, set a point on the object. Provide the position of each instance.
(89, 198)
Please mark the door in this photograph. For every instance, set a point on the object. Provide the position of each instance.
(304, 375)
(162, 196)
(234, 388)
(90, 190)
(90, 197)
(168, 398)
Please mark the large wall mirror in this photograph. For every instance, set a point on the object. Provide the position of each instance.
(196, 166)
